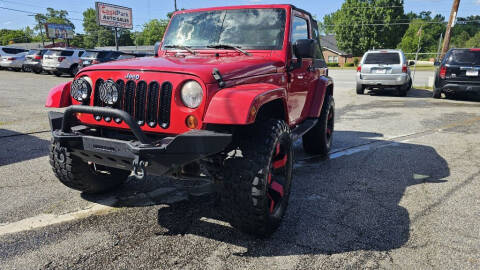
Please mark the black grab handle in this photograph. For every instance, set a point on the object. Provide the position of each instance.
(103, 111)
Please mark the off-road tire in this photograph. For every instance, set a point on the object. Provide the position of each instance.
(251, 183)
(79, 175)
(318, 140)
(436, 93)
(360, 89)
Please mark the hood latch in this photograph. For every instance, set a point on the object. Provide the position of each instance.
(218, 77)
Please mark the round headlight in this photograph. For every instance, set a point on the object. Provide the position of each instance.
(81, 89)
(109, 92)
(192, 94)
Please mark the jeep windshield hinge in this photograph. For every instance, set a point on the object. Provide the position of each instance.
(218, 77)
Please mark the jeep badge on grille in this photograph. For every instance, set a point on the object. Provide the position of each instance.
(132, 76)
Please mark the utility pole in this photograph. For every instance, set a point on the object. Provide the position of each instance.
(453, 17)
(176, 9)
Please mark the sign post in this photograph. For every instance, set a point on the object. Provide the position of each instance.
(114, 16)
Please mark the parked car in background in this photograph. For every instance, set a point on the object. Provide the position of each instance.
(13, 62)
(33, 61)
(60, 61)
(458, 72)
(92, 57)
(384, 69)
(9, 51)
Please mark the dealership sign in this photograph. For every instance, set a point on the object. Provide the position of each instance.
(63, 31)
(114, 16)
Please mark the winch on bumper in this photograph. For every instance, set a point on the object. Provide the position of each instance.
(140, 155)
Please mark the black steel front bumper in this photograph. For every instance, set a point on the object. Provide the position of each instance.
(156, 157)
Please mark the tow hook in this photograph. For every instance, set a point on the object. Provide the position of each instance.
(139, 168)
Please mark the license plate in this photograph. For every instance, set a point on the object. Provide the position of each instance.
(381, 71)
(473, 73)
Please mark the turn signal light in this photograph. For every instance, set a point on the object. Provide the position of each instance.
(443, 72)
(191, 122)
(37, 57)
(404, 69)
(359, 68)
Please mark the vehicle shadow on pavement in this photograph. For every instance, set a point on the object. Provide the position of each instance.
(338, 205)
(413, 93)
(18, 147)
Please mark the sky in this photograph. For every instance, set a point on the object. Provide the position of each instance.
(145, 10)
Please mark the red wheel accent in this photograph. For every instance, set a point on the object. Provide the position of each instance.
(277, 187)
(280, 163)
(275, 191)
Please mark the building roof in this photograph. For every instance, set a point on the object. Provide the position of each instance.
(329, 42)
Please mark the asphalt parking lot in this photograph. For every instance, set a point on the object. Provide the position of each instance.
(401, 189)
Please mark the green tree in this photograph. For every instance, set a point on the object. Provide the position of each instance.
(474, 42)
(13, 36)
(430, 32)
(152, 32)
(360, 25)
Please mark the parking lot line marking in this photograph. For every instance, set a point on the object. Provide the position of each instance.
(44, 220)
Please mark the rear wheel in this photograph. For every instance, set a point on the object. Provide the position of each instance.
(360, 89)
(257, 182)
(74, 70)
(56, 73)
(402, 91)
(318, 140)
(80, 175)
(37, 70)
(437, 93)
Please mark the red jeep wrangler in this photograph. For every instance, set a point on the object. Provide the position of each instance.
(226, 94)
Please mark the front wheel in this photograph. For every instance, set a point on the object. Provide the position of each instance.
(80, 175)
(74, 70)
(318, 140)
(56, 73)
(258, 178)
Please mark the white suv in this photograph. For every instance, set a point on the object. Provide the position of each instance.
(383, 69)
(62, 60)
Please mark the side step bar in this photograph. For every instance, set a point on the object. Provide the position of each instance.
(303, 128)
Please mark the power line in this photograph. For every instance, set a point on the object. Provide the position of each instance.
(379, 24)
(24, 4)
(34, 13)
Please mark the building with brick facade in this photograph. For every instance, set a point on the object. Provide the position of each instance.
(332, 53)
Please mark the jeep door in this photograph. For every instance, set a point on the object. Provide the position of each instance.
(299, 78)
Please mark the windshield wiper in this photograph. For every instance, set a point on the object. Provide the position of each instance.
(181, 47)
(226, 46)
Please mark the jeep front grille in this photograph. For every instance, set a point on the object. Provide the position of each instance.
(147, 103)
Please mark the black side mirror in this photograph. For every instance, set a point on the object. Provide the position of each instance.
(157, 46)
(411, 63)
(304, 48)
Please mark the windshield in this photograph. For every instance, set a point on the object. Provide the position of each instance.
(256, 29)
(382, 58)
(464, 57)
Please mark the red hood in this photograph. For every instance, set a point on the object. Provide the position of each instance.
(231, 67)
